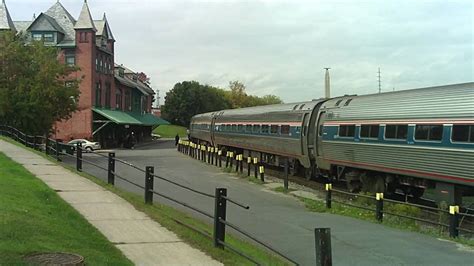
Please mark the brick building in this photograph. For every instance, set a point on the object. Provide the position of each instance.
(114, 101)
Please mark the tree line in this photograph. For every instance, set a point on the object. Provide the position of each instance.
(36, 90)
(189, 98)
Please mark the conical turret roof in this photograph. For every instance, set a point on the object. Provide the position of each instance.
(85, 19)
(6, 22)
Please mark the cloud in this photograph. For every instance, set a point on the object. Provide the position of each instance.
(281, 47)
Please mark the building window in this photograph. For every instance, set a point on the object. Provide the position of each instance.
(37, 36)
(428, 132)
(70, 57)
(128, 106)
(96, 64)
(346, 131)
(98, 94)
(48, 37)
(369, 131)
(83, 37)
(118, 99)
(107, 95)
(463, 133)
(121, 72)
(396, 131)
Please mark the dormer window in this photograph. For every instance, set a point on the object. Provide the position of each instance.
(48, 37)
(37, 36)
(121, 72)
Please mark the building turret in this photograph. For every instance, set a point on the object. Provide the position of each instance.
(6, 22)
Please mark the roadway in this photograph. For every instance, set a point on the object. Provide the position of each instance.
(278, 219)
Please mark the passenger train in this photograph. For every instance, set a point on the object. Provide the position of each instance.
(407, 140)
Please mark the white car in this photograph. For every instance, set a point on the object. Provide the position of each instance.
(87, 145)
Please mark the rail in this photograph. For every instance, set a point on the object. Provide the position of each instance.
(58, 150)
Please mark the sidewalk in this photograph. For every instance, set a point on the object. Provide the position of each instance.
(141, 239)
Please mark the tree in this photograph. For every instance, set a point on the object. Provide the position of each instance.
(239, 98)
(36, 90)
(189, 98)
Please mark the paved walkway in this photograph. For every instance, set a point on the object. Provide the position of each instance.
(142, 240)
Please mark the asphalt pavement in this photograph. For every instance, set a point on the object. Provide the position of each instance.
(277, 219)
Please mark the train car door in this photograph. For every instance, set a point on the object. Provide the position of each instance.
(213, 127)
(304, 133)
(320, 133)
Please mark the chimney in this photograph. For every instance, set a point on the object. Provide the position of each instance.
(327, 86)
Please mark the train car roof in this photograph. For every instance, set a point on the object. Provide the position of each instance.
(440, 101)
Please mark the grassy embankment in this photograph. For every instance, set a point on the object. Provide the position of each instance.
(35, 219)
(170, 131)
(175, 221)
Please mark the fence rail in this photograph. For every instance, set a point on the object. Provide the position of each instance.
(56, 149)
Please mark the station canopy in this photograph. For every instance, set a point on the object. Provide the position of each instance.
(126, 118)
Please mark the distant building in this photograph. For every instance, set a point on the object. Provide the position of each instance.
(114, 101)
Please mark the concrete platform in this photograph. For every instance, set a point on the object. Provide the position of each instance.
(141, 239)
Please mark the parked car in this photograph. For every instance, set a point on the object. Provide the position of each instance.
(87, 145)
(155, 136)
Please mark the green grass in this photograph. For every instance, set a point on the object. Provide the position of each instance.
(283, 190)
(35, 219)
(173, 220)
(170, 131)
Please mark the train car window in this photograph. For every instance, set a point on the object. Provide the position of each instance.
(346, 130)
(234, 127)
(321, 128)
(301, 107)
(348, 102)
(428, 132)
(396, 131)
(265, 128)
(274, 129)
(256, 128)
(461, 133)
(285, 129)
(369, 131)
(240, 127)
(338, 102)
(248, 128)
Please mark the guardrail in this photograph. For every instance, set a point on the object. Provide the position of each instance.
(56, 149)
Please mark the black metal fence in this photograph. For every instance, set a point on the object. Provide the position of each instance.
(454, 214)
(57, 150)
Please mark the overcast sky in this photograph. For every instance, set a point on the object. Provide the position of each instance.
(281, 47)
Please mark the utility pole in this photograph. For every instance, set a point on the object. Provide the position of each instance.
(327, 92)
(380, 88)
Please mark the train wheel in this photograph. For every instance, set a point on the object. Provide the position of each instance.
(353, 182)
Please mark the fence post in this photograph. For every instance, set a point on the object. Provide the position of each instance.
(237, 159)
(328, 195)
(379, 207)
(241, 159)
(111, 169)
(150, 170)
(79, 157)
(219, 154)
(285, 181)
(209, 154)
(219, 214)
(231, 157)
(262, 173)
(227, 159)
(34, 143)
(249, 162)
(46, 144)
(57, 150)
(216, 153)
(453, 221)
(255, 163)
(322, 238)
(212, 155)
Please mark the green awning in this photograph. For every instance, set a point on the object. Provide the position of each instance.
(150, 120)
(120, 117)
